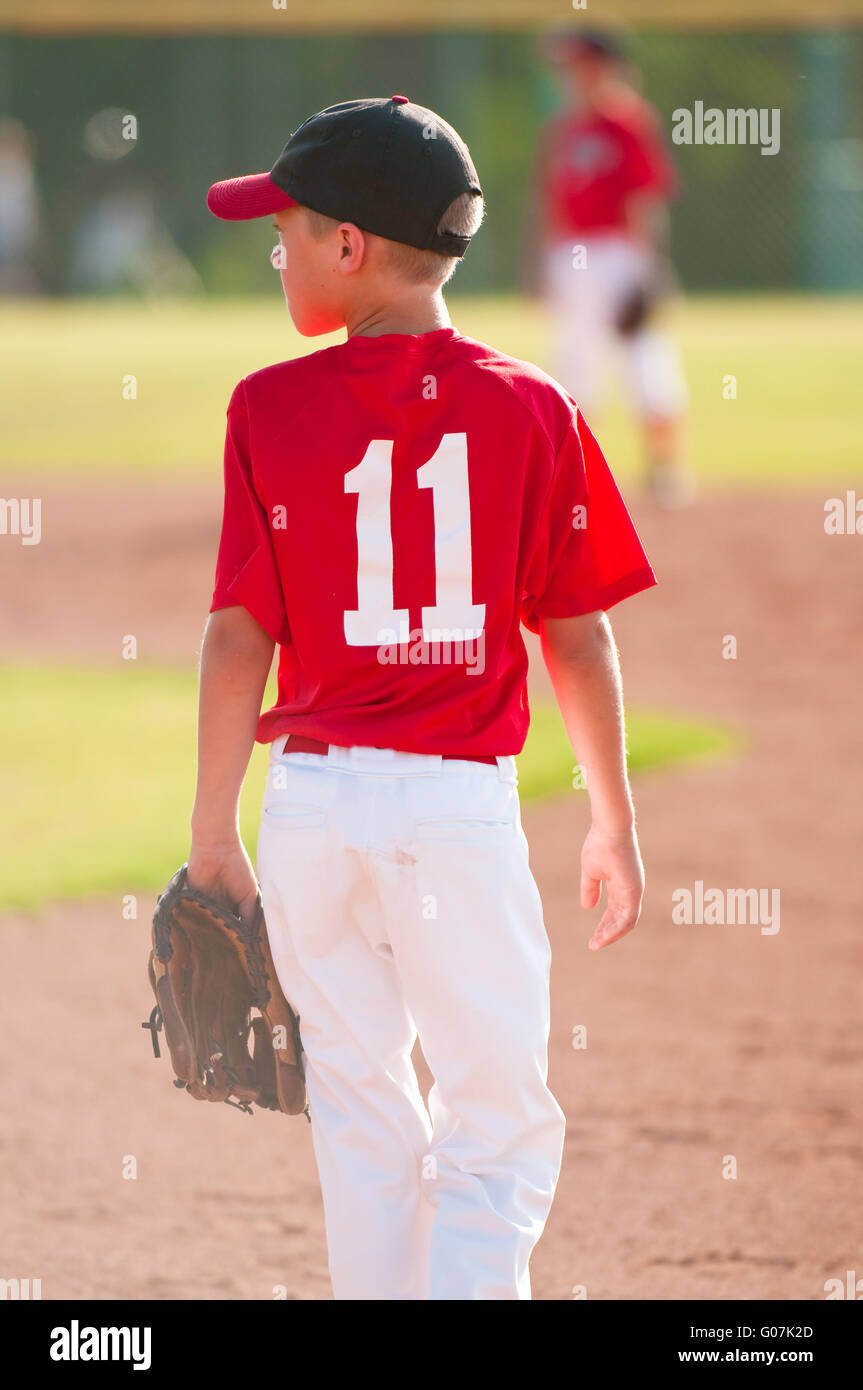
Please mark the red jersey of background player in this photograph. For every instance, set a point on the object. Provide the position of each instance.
(592, 160)
(394, 508)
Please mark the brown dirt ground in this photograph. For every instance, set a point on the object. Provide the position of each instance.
(702, 1041)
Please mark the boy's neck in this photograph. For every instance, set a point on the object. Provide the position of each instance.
(424, 313)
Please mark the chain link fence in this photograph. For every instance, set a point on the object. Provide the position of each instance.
(208, 107)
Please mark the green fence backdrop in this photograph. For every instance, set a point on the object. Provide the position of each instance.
(211, 106)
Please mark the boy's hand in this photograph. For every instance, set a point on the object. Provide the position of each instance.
(224, 871)
(613, 859)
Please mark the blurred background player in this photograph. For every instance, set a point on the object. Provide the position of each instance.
(597, 247)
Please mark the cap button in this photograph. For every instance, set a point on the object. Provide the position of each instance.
(402, 100)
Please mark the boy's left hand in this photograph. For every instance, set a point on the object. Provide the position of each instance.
(224, 871)
(615, 860)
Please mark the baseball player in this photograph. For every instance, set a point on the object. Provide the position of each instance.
(597, 247)
(396, 506)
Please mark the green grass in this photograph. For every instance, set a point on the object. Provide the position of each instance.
(97, 802)
(546, 767)
(798, 360)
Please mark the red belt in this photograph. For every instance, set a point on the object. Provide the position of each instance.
(298, 743)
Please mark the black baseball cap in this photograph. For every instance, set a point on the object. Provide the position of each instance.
(389, 166)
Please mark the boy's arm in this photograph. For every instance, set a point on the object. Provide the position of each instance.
(236, 656)
(582, 662)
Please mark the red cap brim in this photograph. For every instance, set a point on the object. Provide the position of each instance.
(254, 195)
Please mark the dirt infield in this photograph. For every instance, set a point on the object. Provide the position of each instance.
(704, 1042)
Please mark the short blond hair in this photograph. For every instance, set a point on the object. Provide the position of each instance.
(463, 217)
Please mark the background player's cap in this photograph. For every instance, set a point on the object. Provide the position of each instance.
(561, 44)
(391, 167)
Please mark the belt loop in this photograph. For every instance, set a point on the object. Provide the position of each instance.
(507, 769)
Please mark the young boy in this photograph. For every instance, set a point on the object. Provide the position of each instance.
(395, 506)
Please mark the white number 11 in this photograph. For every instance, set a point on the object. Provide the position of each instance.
(375, 617)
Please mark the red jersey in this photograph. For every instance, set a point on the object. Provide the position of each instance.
(591, 161)
(394, 508)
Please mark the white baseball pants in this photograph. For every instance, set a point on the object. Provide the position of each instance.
(587, 280)
(399, 902)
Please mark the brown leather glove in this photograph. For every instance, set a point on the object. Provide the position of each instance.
(639, 304)
(634, 311)
(208, 970)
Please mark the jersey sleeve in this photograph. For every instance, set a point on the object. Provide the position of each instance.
(247, 574)
(648, 166)
(588, 555)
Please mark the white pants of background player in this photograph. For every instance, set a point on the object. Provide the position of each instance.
(399, 901)
(583, 300)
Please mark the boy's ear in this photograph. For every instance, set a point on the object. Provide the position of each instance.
(352, 248)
